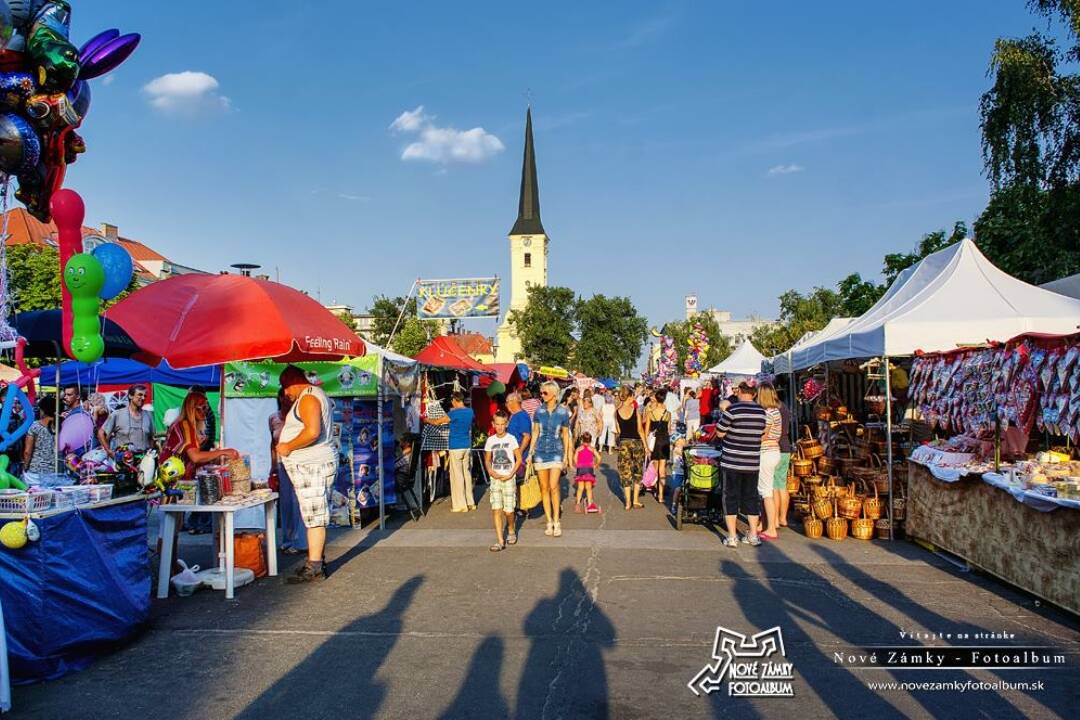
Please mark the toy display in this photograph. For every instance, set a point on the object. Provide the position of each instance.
(7, 480)
(84, 278)
(697, 350)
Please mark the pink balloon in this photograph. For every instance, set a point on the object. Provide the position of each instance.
(75, 432)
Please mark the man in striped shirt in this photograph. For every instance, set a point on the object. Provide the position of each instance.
(740, 427)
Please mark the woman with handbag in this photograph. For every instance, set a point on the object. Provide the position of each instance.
(629, 436)
(552, 451)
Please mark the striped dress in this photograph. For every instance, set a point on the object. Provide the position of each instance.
(744, 424)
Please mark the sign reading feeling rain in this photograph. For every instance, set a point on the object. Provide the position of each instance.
(461, 298)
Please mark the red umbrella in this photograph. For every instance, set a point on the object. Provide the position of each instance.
(197, 320)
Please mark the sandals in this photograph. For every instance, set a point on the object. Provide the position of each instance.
(497, 547)
(511, 539)
(639, 505)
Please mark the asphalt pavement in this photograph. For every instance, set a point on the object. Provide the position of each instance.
(612, 620)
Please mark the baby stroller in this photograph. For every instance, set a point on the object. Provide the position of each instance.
(702, 464)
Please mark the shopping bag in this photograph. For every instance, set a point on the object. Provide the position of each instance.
(648, 477)
(529, 492)
(248, 552)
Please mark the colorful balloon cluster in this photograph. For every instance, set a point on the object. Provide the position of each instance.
(697, 349)
(45, 93)
(669, 361)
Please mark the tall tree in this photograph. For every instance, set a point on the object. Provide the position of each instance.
(1030, 121)
(413, 335)
(611, 334)
(386, 311)
(34, 274)
(546, 325)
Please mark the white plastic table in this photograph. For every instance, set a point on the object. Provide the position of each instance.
(227, 513)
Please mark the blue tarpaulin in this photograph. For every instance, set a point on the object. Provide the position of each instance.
(121, 371)
(74, 594)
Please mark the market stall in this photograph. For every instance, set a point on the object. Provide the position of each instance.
(77, 591)
(1003, 475)
(745, 361)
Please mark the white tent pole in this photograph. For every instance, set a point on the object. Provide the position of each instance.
(56, 420)
(379, 450)
(888, 441)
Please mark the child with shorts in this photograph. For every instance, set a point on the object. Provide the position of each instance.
(502, 458)
(587, 464)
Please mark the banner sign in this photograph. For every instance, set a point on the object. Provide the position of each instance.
(356, 377)
(463, 298)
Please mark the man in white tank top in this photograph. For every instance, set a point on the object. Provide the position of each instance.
(307, 451)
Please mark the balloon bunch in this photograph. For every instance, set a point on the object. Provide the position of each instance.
(45, 93)
(669, 361)
(697, 349)
(811, 390)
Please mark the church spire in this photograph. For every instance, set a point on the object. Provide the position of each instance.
(528, 220)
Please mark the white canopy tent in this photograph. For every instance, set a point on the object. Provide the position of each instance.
(782, 363)
(952, 297)
(745, 360)
(1065, 286)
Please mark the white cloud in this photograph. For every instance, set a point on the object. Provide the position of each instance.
(785, 169)
(108, 79)
(186, 91)
(353, 198)
(410, 120)
(444, 144)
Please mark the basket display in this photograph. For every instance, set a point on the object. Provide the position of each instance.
(849, 506)
(870, 472)
(899, 503)
(793, 484)
(822, 508)
(862, 528)
(809, 447)
(874, 506)
(802, 467)
(801, 505)
(882, 529)
(826, 465)
(836, 527)
(812, 526)
(17, 501)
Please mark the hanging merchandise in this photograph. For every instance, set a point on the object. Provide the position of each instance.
(365, 453)
(697, 350)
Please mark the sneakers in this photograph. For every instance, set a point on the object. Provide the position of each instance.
(550, 529)
(307, 574)
(558, 530)
(731, 542)
(592, 508)
(752, 540)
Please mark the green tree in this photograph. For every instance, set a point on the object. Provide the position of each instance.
(34, 274)
(386, 311)
(347, 319)
(413, 335)
(610, 336)
(799, 314)
(546, 324)
(1030, 120)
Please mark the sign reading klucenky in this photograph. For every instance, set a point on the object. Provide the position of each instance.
(462, 298)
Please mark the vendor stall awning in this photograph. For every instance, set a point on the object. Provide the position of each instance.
(745, 360)
(118, 371)
(444, 352)
(950, 298)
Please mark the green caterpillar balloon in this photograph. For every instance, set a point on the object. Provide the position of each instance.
(84, 277)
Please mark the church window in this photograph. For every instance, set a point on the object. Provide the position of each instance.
(528, 259)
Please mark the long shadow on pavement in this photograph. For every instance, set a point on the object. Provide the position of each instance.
(341, 673)
(564, 673)
(479, 696)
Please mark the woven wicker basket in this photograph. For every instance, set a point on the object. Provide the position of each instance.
(825, 465)
(862, 528)
(809, 447)
(849, 506)
(874, 506)
(836, 527)
(802, 506)
(882, 528)
(793, 484)
(812, 526)
(822, 508)
(802, 467)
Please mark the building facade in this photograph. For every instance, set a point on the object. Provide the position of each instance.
(736, 330)
(528, 250)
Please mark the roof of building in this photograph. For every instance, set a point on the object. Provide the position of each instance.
(528, 220)
(473, 343)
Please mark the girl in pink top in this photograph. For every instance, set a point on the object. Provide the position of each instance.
(587, 463)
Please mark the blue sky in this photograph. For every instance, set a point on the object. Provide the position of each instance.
(730, 149)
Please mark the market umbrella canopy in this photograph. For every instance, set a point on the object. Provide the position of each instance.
(196, 320)
(43, 330)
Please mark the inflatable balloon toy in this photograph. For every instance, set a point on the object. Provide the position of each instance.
(13, 395)
(117, 268)
(13, 535)
(76, 432)
(148, 469)
(168, 472)
(84, 278)
(45, 93)
(7, 480)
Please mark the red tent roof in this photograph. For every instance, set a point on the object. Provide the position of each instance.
(444, 352)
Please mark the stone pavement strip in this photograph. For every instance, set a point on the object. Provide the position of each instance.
(612, 620)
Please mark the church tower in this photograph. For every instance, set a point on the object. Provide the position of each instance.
(528, 249)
